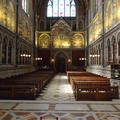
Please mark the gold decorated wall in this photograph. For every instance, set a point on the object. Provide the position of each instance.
(8, 18)
(25, 21)
(44, 40)
(111, 17)
(7, 14)
(60, 36)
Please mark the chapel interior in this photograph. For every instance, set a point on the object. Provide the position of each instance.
(61, 56)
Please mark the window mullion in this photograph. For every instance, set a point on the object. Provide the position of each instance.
(68, 8)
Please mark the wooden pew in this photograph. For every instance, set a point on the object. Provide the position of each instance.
(25, 84)
(88, 86)
(17, 92)
(96, 93)
(74, 73)
(87, 79)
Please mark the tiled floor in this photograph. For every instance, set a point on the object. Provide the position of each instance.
(57, 90)
(31, 110)
(57, 102)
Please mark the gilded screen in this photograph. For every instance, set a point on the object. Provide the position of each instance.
(61, 35)
(44, 40)
(78, 41)
(61, 41)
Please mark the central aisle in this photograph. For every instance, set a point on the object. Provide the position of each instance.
(58, 89)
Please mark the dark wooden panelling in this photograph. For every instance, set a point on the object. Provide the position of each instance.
(45, 55)
(76, 55)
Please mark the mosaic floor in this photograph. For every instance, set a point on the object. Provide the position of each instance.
(57, 90)
(57, 102)
(31, 110)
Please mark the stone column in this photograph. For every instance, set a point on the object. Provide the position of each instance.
(103, 60)
(19, 56)
(34, 40)
(117, 54)
(111, 52)
(13, 55)
(106, 54)
(88, 49)
(7, 54)
(16, 41)
(77, 26)
(0, 53)
(45, 25)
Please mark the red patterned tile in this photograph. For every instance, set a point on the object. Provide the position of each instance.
(90, 118)
(77, 114)
(8, 117)
(49, 117)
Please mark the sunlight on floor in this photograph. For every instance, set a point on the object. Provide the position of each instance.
(58, 89)
(64, 77)
(67, 89)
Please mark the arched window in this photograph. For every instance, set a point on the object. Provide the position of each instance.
(61, 8)
(73, 9)
(49, 9)
(24, 5)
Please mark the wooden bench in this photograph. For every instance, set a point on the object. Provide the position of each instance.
(17, 92)
(69, 74)
(96, 93)
(88, 79)
(25, 84)
(88, 86)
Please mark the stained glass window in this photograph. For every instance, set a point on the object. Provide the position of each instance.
(55, 8)
(49, 9)
(61, 8)
(24, 5)
(67, 8)
(73, 14)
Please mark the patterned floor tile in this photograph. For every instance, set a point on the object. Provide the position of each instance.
(103, 108)
(73, 107)
(8, 117)
(117, 106)
(32, 107)
(7, 105)
(57, 101)
(108, 116)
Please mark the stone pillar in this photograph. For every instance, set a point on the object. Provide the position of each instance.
(0, 53)
(117, 54)
(45, 25)
(19, 56)
(103, 61)
(7, 54)
(31, 58)
(13, 55)
(16, 41)
(106, 54)
(34, 40)
(77, 25)
(88, 49)
(112, 50)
